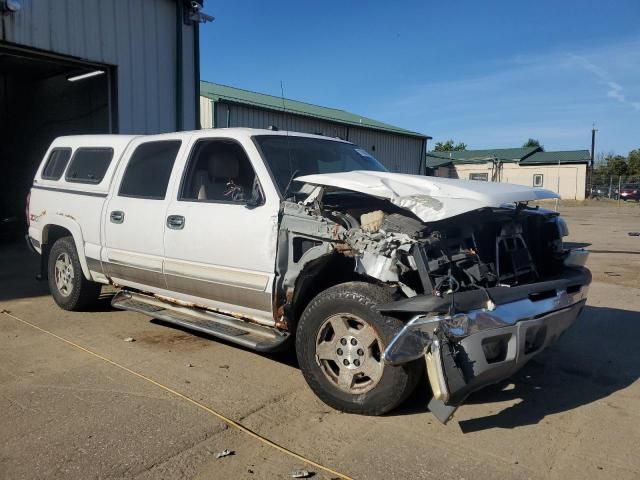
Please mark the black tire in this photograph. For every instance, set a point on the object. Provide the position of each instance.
(82, 292)
(394, 384)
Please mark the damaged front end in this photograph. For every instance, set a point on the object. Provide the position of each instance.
(488, 335)
(320, 242)
(481, 286)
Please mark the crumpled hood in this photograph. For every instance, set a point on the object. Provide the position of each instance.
(429, 198)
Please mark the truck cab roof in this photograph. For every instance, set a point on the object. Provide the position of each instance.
(95, 140)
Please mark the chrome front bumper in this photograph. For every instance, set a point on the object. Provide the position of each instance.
(470, 350)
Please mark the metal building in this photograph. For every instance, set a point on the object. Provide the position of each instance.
(398, 149)
(91, 66)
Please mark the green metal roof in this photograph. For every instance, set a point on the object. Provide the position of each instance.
(217, 92)
(434, 162)
(474, 156)
(566, 156)
(523, 155)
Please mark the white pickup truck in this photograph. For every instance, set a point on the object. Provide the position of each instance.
(275, 239)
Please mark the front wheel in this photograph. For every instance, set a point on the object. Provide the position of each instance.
(339, 343)
(68, 286)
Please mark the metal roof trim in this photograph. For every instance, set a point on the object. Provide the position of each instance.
(561, 156)
(293, 106)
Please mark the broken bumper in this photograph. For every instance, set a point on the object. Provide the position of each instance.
(470, 350)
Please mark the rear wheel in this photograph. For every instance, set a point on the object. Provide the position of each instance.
(68, 285)
(339, 344)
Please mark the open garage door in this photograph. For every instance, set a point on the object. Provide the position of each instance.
(43, 97)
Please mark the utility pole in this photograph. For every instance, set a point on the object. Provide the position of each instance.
(593, 156)
(558, 185)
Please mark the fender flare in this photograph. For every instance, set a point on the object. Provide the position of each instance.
(72, 226)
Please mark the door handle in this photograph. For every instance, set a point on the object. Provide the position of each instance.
(117, 216)
(175, 222)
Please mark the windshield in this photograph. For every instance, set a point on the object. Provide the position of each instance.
(292, 156)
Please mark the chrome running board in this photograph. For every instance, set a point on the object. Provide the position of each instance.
(225, 327)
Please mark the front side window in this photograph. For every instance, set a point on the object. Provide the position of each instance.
(218, 171)
(538, 180)
(289, 156)
(56, 163)
(484, 177)
(89, 165)
(149, 169)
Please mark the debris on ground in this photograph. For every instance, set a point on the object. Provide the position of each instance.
(129, 339)
(223, 366)
(225, 453)
(301, 474)
(612, 274)
(634, 234)
(189, 364)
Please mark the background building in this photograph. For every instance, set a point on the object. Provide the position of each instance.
(91, 66)
(398, 149)
(564, 172)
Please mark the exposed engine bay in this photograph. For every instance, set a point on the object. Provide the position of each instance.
(488, 247)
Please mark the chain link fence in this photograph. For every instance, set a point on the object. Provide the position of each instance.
(615, 187)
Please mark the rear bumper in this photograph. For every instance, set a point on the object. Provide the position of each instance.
(470, 350)
(629, 196)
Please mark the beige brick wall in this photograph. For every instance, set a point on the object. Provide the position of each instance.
(573, 177)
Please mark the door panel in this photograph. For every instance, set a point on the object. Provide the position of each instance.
(134, 220)
(134, 248)
(224, 253)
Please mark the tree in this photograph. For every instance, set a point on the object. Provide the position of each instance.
(532, 142)
(633, 164)
(617, 165)
(449, 146)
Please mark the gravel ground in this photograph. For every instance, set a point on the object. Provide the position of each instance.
(573, 412)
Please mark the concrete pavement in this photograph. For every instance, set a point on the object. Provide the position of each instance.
(573, 412)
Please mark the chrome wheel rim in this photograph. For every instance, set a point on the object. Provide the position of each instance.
(349, 353)
(63, 272)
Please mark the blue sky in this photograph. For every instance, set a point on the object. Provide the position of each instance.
(491, 74)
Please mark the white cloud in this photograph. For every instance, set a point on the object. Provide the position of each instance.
(615, 89)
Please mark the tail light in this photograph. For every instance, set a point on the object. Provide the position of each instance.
(26, 210)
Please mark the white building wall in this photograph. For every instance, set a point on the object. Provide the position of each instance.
(572, 177)
(206, 113)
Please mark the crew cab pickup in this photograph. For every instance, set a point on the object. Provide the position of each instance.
(274, 240)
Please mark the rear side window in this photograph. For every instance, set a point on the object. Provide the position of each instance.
(147, 174)
(89, 165)
(56, 163)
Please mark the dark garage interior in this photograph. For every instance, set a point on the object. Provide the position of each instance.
(41, 98)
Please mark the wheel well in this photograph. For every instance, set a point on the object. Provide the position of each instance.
(331, 270)
(50, 234)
